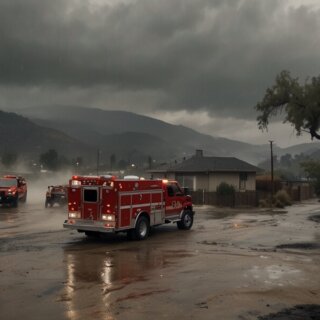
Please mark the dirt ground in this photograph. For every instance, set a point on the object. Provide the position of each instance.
(234, 264)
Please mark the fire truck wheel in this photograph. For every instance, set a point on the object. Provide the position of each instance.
(186, 221)
(141, 231)
(92, 234)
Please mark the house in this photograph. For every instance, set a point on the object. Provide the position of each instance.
(206, 173)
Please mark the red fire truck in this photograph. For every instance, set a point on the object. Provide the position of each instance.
(104, 204)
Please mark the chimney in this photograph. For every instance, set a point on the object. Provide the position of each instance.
(199, 153)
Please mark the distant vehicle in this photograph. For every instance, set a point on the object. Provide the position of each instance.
(56, 195)
(12, 190)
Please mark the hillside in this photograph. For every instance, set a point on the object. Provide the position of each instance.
(27, 139)
(134, 137)
(95, 126)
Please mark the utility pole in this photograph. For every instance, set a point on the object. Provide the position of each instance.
(272, 180)
(98, 161)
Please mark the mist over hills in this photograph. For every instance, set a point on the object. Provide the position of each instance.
(98, 127)
(24, 137)
(134, 137)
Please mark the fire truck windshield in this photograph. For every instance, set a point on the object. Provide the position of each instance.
(90, 195)
(7, 183)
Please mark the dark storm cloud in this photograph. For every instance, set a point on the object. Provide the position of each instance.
(210, 55)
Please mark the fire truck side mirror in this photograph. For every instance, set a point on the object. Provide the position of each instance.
(186, 191)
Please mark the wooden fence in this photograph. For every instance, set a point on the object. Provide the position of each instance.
(250, 198)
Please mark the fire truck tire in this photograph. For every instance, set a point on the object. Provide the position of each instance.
(92, 234)
(186, 221)
(48, 203)
(142, 229)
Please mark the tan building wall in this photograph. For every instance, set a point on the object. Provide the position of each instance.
(233, 179)
(251, 182)
(210, 182)
(202, 182)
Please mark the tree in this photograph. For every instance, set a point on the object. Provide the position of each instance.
(112, 161)
(150, 162)
(286, 160)
(312, 168)
(300, 103)
(9, 159)
(50, 159)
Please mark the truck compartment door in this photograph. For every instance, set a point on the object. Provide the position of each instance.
(91, 203)
(157, 208)
(125, 208)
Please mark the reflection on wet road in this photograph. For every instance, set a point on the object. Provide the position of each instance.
(236, 264)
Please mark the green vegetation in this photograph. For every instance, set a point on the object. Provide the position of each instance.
(299, 103)
(282, 199)
(49, 160)
(312, 169)
(225, 189)
(288, 167)
(9, 159)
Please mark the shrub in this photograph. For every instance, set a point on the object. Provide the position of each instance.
(263, 203)
(278, 204)
(225, 189)
(283, 198)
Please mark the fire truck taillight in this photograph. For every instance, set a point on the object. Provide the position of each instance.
(74, 215)
(75, 183)
(108, 217)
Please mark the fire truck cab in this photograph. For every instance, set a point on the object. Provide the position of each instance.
(104, 204)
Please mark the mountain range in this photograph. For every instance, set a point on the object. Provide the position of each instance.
(79, 131)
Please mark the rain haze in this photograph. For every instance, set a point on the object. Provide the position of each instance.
(203, 64)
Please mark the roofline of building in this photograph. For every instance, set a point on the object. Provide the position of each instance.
(201, 171)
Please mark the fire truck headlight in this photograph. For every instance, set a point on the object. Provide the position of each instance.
(108, 217)
(11, 192)
(76, 183)
(74, 215)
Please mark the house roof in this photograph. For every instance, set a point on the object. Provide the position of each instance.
(210, 164)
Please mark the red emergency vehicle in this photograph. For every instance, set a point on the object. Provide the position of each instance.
(102, 204)
(12, 190)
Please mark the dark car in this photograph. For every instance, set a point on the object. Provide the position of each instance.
(12, 190)
(56, 195)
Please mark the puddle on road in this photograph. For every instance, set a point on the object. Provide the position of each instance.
(278, 275)
(315, 218)
(95, 274)
(301, 245)
(121, 266)
(247, 214)
(141, 294)
(305, 312)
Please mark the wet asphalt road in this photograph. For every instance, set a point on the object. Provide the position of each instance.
(233, 264)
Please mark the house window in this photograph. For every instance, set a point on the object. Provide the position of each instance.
(243, 177)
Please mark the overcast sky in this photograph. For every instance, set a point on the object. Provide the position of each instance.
(201, 63)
